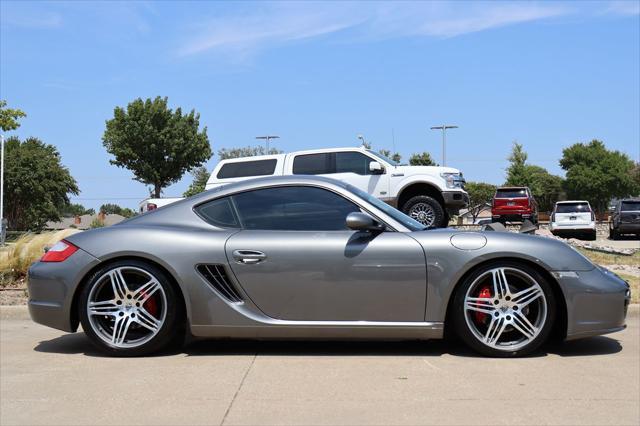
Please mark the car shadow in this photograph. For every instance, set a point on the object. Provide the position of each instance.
(78, 343)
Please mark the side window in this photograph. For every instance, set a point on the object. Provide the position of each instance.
(218, 213)
(352, 162)
(293, 208)
(313, 164)
(247, 168)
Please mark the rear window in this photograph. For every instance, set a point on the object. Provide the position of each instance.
(219, 213)
(313, 164)
(511, 193)
(630, 206)
(247, 168)
(573, 208)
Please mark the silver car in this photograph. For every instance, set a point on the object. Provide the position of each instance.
(314, 258)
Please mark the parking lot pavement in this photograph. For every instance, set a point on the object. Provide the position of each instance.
(49, 377)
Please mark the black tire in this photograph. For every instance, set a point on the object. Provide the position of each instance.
(613, 234)
(439, 214)
(463, 331)
(592, 236)
(170, 334)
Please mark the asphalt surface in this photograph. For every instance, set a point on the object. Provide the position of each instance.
(49, 377)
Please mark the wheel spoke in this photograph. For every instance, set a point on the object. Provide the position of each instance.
(145, 319)
(494, 331)
(523, 325)
(118, 284)
(500, 284)
(526, 296)
(143, 293)
(120, 329)
(480, 304)
(106, 307)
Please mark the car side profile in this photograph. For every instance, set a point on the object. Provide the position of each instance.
(315, 258)
(514, 204)
(573, 219)
(625, 218)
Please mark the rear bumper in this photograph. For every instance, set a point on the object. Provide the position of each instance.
(597, 302)
(628, 228)
(556, 228)
(51, 287)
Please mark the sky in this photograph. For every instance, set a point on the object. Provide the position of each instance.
(545, 74)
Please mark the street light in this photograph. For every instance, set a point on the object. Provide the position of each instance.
(267, 138)
(444, 128)
(361, 137)
(3, 223)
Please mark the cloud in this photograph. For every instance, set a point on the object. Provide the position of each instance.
(630, 7)
(278, 23)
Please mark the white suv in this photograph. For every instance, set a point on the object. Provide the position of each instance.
(426, 193)
(573, 219)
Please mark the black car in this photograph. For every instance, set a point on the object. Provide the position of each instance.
(625, 218)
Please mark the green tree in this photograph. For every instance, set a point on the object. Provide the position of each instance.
(387, 153)
(156, 143)
(9, 117)
(480, 193)
(247, 151)
(37, 185)
(75, 210)
(597, 174)
(516, 173)
(423, 159)
(96, 223)
(111, 208)
(200, 178)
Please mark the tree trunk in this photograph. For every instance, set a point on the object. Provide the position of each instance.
(156, 190)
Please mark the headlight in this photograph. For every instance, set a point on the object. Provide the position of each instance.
(453, 180)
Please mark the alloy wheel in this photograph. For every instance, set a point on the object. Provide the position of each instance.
(423, 213)
(505, 308)
(126, 307)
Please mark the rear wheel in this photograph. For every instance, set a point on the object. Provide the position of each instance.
(426, 210)
(504, 310)
(129, 308)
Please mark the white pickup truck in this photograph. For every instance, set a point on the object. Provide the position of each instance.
(426, 193)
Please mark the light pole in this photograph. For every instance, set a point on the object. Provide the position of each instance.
(364, 142)
(267, 138)
(444, 128)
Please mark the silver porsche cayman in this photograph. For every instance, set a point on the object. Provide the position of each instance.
(314, 258)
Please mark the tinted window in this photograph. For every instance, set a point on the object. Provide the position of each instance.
(573, 208)
(352, 162)
(413, 225)
(511, 193)
(630, 206)
(293, 208)
(247, 168)
(219, 213)
(313, 164)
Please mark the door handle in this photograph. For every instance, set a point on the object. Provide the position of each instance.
(248, 256)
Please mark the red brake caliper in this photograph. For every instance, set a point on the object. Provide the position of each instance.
(485, 292)
(150, 305)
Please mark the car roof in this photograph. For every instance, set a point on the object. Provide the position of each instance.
(572, 201)
(512, 187)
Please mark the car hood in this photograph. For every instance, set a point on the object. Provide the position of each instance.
(424, 170)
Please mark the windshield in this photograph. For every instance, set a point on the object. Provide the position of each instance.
(413, 225)
(630, 206)
(572, 208)
(385, 159)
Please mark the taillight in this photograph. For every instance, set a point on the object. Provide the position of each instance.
(151, 206)
(553, 217)
(593, 216)
(59, 252)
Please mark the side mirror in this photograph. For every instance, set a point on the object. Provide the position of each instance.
(363, 222)
(376, 168)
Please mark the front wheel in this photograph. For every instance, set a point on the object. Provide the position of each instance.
(504, 310)
(129, 308)
(426, 210)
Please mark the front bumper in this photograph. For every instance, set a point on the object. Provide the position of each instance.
(597, 302)
(455, 200)
(51, 287)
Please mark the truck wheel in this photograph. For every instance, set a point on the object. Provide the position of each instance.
(426, 210)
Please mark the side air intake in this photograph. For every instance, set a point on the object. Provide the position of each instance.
(217, 277)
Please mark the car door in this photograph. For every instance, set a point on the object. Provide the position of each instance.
(296, 260)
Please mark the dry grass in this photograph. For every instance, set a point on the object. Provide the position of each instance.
(605, 259)
(17, 257)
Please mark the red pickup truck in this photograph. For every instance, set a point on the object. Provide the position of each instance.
(514, 204)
